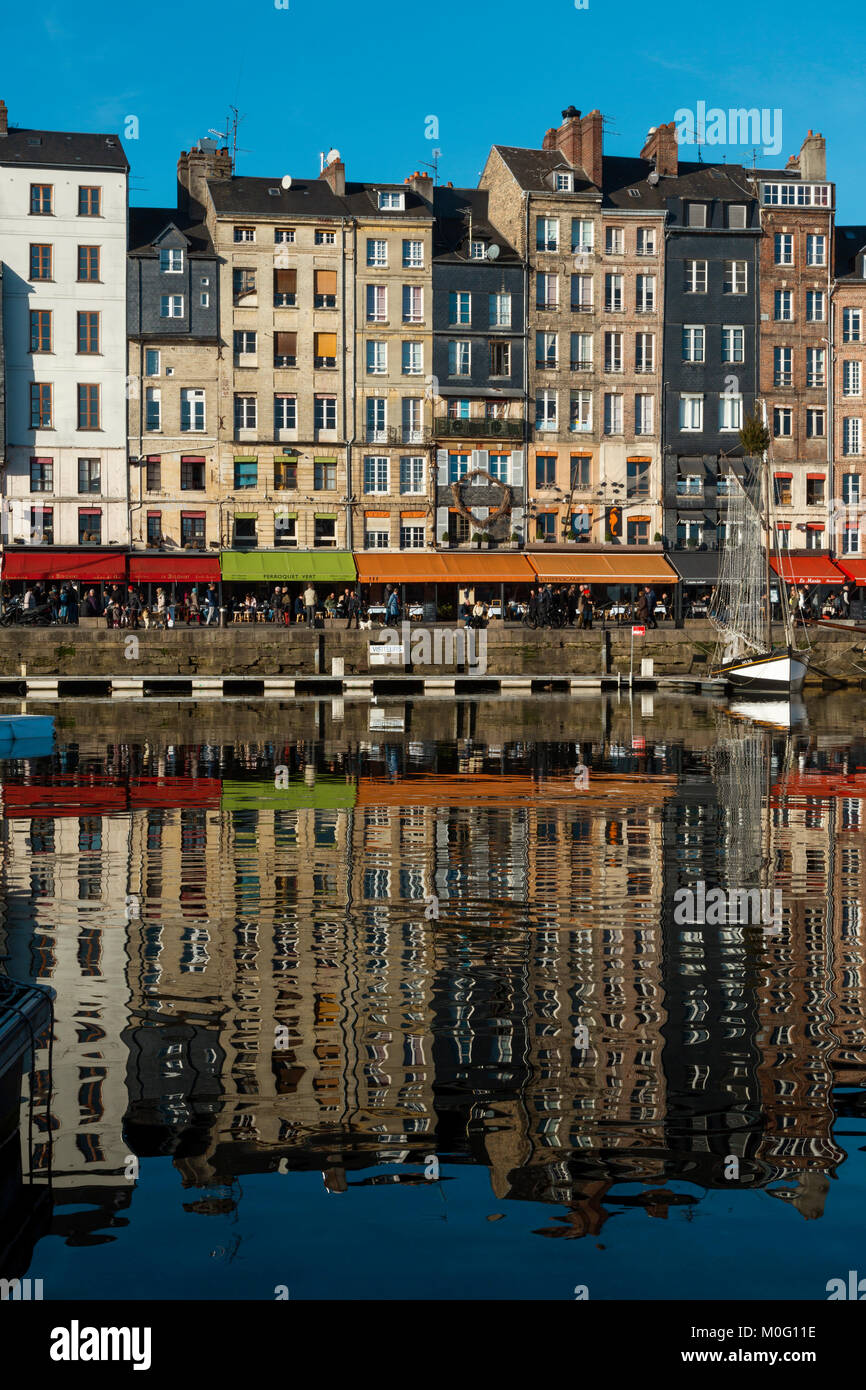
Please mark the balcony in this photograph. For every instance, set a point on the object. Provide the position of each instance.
(396, 435)
(582, 308)
(509, 429)
(583, 365)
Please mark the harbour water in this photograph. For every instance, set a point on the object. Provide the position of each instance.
(393, 1001)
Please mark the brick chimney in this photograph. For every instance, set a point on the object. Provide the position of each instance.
(661, 146)
(4, 119)
(334, 176)
(813, 158)
(193, 171)
(592, 140)
(580, 140)
(422, 184)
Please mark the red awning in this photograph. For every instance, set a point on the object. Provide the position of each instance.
(107, 796)
(854, 567)
(92, 566)
(807, 569)
(159, 569)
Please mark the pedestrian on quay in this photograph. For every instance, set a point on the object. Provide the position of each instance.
(352, 606)
(92, 608)
(642, 607)
(392, 608)
(310, 605)
(331, 605)
(72, 606)
(530, 616)
(845, 598)
(587, 607)
(211, 605)
(133, 607)
(194, 607)
(651, 606)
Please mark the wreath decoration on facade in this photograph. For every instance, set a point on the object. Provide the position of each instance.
(502, 510)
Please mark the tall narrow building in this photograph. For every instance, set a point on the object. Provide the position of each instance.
(848, 318)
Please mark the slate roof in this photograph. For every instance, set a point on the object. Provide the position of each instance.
(146, 224)
(850, 242)
(252, 197)
(57, 149)
(531, 168)
(451, 230)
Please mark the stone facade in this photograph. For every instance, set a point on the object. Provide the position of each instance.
(845, 518)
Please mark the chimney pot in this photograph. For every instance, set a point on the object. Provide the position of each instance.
(4, 119)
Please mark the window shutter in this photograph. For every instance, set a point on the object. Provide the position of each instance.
(326, 344)
(516, 518)
(441, 521)
(517, 468)
(326, 282)
(285, 344)
(286, 281)
(442, 465)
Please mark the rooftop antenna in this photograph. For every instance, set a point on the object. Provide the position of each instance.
(698, 140)
(434, 166)
(230, 134)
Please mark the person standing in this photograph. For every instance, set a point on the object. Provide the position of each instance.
(310, 605)
(392, 609)
(73, 606)
(651, 606)
(845, 598)
(29, 599)
(353, 609)
(642, 607)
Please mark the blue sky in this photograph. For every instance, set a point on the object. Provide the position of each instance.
(365, 78)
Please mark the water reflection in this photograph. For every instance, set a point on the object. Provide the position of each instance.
(248, 982)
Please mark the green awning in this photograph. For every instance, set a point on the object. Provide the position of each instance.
(262, 566)
(317, 458)
(246, 458)
(323, 795)
(245, 516)
(326, 516)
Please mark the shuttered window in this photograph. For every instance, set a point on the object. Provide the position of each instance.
(285, 349)
(285, 288)
(326, 349)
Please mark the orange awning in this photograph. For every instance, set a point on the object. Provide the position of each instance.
(488, 567)
(455, 567)
(384, 567)
(807, 569)
(601, 567)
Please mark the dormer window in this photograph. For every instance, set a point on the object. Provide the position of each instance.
(477, 250)
(391, 202)
(170, 261)
(564, 181)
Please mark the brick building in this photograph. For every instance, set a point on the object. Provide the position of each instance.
(848, 319)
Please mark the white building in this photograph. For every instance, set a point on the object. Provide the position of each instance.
(63, 219)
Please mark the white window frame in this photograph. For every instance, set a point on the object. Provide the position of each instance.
(377, 253)
(614, 413)
(377, 304)
(691, 412)
(376, 357)
(412, 475)
(193, 403)
(413, 254)
(412, 358)
(171, 306)
(694, 337)
(730, 413)
(851, 378)
(733, 343)
(499, 309)
(738, 273)
(377, 475)
(695, 272)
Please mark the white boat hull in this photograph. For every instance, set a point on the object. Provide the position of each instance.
(777, 673)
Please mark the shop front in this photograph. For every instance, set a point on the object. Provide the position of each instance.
(258, 573)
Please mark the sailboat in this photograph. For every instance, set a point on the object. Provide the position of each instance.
(745, 656)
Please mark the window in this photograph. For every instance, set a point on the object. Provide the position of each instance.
(377, 358)
(581, 352)
(325, 238)
(154, 528)
(41, 475)
(582, 235)
(88, 263)
(644, 352)
(646, 241)
(814, 306)
(285, 529)
(413, 304)
(563, 181)
(411, 534)
(246, 474)
(546, 410)
(245, 342)
(152, 408)
(815, 423)
(459, 357)
(730, 412)
(581, 469)
(171, 306)
(783, 416)
(285, 289)
(546, 353)
(325, 412)
(782, 371)
(88, 333)
(815, 492)
(192, 411)
(88, 406)
(391, 202)
(246, 413)
(500, 310)
(192, 530)
(245, 530)
(783, 248)
(377, 304)
(89, 202)
(192, 475)
(613, 414)
(547, 233)
(89, 526)
(170, 261)
(783, 306)
(581, 293)
(152, 362)
(637, 478)
(41, 197)
(850, 489)
(850, 378)
(691, 413)
(852, 323)
(643, 414)
(545, 470)
(815, 369)
(477, 250)
(693, 342)
(88, 475)
(497, 466)
(737, 215)
(377, 533)
(376, 474)
(851, 436)
(799, 194)
(460, 308)
(41, 405)
(410, 409)
(244, 234)
(458, 467)
(324, 289)
(695, 277)
(816, 250)
(412, 359)
(613, 241)
(500, 358)
(613, 352)
(325, 350)
(733, 343)
(244, 289)
(413, 255)
(40, 330)
(850, 541)
(153, 475)
(40, 261)
(580, 411)
(458, 410)
(613, 293)
(283, 235)
(645, 293)
(285, 412)
(376, 420)
(412, 475)
(637, 531)
(545, 526)
(696, 215)
(547, 291)
(285, 349)
(692, 485)
(736, 277)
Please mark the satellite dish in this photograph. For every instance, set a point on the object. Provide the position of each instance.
(493, 252)
(286, 181)
(653, 178)
(332, 156)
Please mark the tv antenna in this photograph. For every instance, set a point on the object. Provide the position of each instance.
(230, 134)
(437, 154)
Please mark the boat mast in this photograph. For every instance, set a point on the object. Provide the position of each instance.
(765, 522)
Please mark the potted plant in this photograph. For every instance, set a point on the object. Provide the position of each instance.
(658, 538)
(444, 538)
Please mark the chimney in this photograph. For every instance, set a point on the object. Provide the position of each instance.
(813, 158)
(334, 176)
(567, 139)
(4, 119)
(193, 171)
(661, 146)
(580, 140)
(592, 141)
(422, 184)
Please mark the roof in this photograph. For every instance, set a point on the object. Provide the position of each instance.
(454, 207)
(531, 168)
(850, 242)
(147, 224)
(361, 200)
(56, 149)
(254, 197)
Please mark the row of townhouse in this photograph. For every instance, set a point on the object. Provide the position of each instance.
(564, 355)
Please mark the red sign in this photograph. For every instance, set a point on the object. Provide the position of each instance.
(639, 745)
(638, 632)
